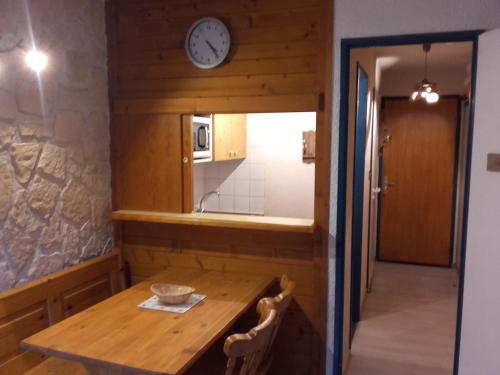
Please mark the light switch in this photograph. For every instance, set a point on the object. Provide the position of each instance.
(493, 163)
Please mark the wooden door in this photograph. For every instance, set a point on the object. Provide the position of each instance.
(229, 137)
(148, 168)
(418, 170)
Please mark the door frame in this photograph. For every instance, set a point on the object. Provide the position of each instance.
(345, 49)
(451, 250)
(358, 199)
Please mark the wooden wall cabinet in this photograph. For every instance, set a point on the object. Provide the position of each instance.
(152, 162)
(229, 137)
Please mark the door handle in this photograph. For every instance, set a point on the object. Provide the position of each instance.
(386, 184)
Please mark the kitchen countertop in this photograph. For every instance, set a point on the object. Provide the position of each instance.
(280, 224)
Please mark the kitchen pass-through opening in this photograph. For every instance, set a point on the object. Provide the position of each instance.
(255, 164)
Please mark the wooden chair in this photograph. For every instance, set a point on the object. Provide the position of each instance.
(258, 350)
(250, 348)
(280, 303)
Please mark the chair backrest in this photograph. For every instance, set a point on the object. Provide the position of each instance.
(280, 303)
(250, 347)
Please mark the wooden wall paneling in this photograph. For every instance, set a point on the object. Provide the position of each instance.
(21, 363)
(20, 325)
(187, 164)
(280, 62)
(228, 104)
(83, 296)
(322, 179)
(296, 48)
(254, 85)
(35, 306)
(272, 65)
(250, 67)
(226, 239)
(133, 23)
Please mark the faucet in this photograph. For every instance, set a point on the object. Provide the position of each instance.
(204, 198)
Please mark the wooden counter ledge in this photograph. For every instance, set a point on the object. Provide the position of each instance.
(280, 224)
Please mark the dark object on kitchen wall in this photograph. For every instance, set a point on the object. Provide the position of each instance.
(309, 146)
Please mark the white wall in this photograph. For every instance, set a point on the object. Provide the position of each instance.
(479, 352)
(272, 180)
(367, 18)
(400, 82)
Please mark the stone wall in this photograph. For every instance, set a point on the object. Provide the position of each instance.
(55, 186)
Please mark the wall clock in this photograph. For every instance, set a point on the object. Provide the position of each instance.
(208, 42)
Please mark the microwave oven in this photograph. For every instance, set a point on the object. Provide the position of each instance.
(202, 138)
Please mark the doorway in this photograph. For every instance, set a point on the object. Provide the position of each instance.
(374, 194)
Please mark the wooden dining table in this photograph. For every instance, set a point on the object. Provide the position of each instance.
(117, 337)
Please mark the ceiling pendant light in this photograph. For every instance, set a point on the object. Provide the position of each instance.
(425, 90)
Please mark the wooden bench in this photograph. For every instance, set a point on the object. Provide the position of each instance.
(35, 306)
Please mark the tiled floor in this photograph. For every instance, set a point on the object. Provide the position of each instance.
(408, 322)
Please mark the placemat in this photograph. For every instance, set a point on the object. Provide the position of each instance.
(153, 304)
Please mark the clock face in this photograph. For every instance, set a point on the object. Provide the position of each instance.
(208, 43)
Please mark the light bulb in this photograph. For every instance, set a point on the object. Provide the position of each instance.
(414, 96)
(433, 97)
(36, 60)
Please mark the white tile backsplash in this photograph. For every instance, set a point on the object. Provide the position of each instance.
(242, 204)
(226, 203)
(257, 171)
(211, 170)
(212, 184)
(212, 203)
(257, 205)
(242, 188)
(227, 187)
(242, 172)
(257, 188)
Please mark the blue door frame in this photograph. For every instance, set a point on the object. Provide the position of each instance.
(359, 191)
(346, 46)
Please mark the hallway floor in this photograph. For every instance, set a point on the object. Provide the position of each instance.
(408, 322)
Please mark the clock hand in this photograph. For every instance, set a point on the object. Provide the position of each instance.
(212, 48)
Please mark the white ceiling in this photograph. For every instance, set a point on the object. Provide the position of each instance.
(441, 56)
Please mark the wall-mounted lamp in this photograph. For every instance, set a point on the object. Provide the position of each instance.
(425, 90)
(35, 60)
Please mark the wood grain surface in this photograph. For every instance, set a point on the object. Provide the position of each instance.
(281, 224)
(116, 334)
(416, 212)
(272, 65)
(34, 306)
